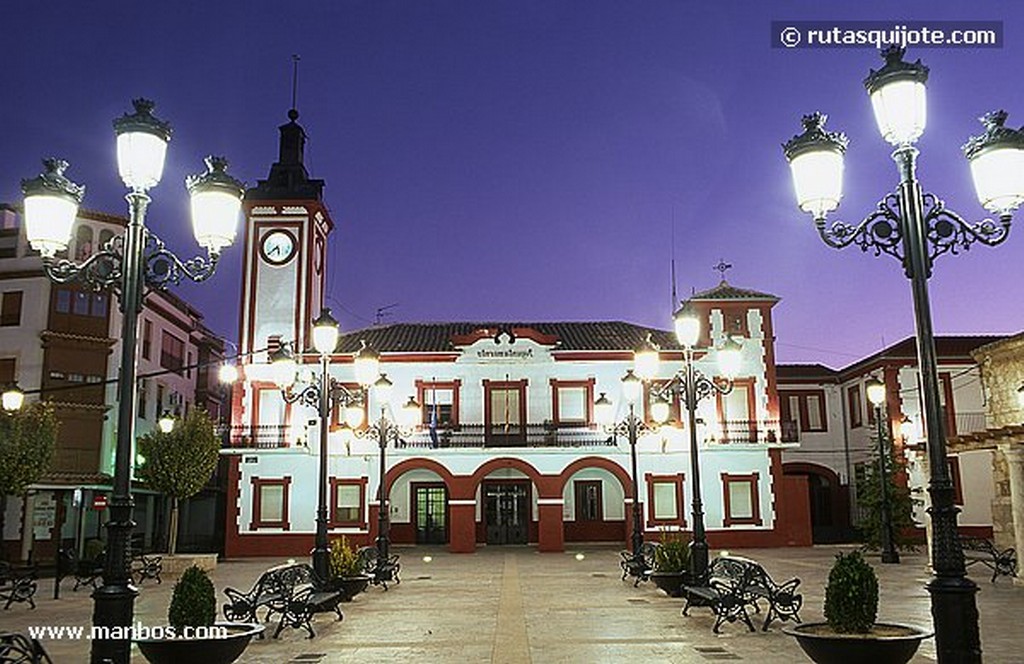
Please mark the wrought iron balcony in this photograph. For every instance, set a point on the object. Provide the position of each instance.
(258, 436)
(499, 436)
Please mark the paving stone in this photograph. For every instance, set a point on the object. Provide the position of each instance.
(512, 605)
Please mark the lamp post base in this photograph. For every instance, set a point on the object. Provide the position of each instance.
(698, 558)
(113, 611)
(955, 616)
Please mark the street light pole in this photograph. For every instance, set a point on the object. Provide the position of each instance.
(876, 395)
(604, 410)
(381, 574)
(699, 545)
(127, 265)
(916, 228)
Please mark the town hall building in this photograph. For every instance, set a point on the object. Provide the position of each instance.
(504, 447)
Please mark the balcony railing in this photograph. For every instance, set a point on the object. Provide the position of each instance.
(532, 435)
(258, 436)
(757, 432)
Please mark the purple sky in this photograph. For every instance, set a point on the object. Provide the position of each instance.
(527, 160)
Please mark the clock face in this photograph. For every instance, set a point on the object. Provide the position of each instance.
(278, 247)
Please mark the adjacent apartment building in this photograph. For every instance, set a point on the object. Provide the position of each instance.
(60, 343)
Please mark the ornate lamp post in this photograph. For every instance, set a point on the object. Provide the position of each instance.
(604, 411)
(916, 228)
(876, 395)
(322, 394)
(691, 386)
(128, 264)
(387, 431)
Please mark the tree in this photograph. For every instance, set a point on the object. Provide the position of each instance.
(901, 500)
(27, 439)
(178, 464)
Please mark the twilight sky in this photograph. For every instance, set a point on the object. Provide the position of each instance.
(529, 160)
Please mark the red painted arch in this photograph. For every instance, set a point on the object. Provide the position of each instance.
(543, 483)
(596, 462)
(420, 463)
(804, 468)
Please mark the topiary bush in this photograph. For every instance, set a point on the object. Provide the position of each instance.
(851, 597)
(194, 602)
(673, 556)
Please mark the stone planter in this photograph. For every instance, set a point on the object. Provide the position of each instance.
(179, 562)
(209, 651)
(884, 644)
(349, 586)
(671, 582)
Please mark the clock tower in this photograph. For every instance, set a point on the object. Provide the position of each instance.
(286, 229)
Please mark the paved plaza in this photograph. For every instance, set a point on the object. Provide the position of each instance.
(511, 605)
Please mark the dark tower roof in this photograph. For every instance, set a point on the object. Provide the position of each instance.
(289, 179)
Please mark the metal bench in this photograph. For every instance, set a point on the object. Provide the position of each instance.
(17, 585)
(17, 648)
(87, 572)
(380, 574)
(638, 568)
(306, 596)
(292, 590)
(732, 584)
(147, 567)
(984, 551)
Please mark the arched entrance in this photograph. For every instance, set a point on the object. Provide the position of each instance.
(418, 492)
(594, 491)
(829, 502)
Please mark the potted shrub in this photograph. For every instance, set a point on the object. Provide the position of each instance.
(850, 633)
(672, 564)
(193, 633)
(345, 570)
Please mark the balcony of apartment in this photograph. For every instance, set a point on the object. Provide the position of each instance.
(756, 432)
(465, 436)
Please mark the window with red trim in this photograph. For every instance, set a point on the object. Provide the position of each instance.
(804, 410)
(665, 500)
(270, 503)
(572, 401)
(441, 397)
(741, 499)
(856, 410)
(956, 479)
(348, 502)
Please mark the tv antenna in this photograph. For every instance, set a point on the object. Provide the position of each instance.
(383, 312)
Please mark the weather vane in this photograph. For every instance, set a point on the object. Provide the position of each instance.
(722, 267)
(295, 76)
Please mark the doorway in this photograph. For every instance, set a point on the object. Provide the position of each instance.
(430, 513)
(507, 512)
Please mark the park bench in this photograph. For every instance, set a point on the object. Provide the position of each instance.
(147, 567)
(984, 551)
(306, 596)
(87, 571)
(640, 569)
(388, 572)
(732, 584)
(16, 648)
(17, 585)
(292, 590)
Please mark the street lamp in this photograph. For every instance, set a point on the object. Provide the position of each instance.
(916, 228)
(387, 431)
(12, 398)
(876, 395)
(129, 264)
(166, 422)
(604, 411)
(322, 395)
(691, 386)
